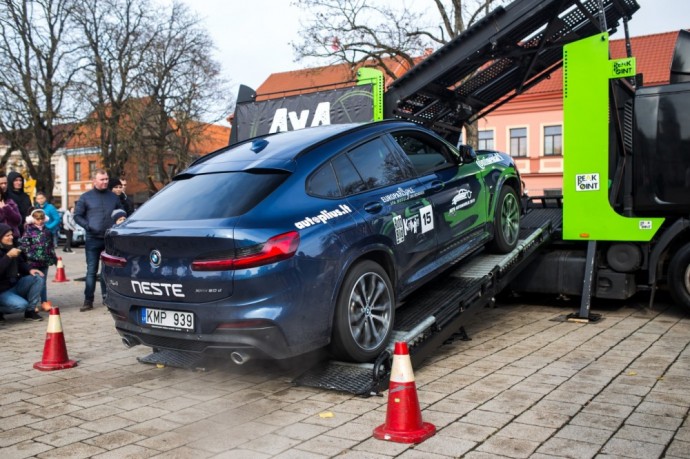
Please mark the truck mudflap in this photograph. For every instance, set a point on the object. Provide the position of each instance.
(437, 312)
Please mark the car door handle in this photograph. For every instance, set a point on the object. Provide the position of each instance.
(436, 186)
(373, 207)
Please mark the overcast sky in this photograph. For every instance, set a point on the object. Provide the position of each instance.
(252, 36)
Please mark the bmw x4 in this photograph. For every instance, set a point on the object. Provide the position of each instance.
(300, 240)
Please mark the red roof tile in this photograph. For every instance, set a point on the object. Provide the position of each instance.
(652, 52)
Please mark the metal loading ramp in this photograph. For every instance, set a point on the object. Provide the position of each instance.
(437, 311)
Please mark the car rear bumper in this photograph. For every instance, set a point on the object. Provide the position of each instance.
(261, 342)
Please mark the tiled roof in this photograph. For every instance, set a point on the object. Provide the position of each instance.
(653, 54)
(302, 81)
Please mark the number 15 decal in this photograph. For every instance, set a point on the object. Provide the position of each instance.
(427, 216)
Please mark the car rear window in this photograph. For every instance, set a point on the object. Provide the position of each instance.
(221, 195)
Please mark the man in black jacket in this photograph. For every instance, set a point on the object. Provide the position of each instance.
(20, 287)
(93, 212)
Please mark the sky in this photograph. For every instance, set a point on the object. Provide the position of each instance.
(252, 37)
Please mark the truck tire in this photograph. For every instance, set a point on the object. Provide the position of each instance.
(506, 221)
(364, 313)
(679, 277)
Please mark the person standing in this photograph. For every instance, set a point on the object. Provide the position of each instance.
(16, 193)
(127, 204)
(52, 222)
(9, 212)
(20, 286)
(37, 245)
(70, 226)
(93, 212)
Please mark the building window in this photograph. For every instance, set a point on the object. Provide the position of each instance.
(553, 140)
(77, 172)
(486, 140)
(518, 142)
(92, 169)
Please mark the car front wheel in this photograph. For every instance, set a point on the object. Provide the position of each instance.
(506, 221)
(364, 313)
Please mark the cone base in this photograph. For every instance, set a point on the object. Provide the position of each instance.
(55, 366)
(414, 436)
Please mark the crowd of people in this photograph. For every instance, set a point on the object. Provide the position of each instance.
(29, 235)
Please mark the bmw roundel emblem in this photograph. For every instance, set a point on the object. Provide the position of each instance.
(155, 257)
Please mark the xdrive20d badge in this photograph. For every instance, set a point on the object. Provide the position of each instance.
(299, 240)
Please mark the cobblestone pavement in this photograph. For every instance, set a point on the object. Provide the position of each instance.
(527, 385)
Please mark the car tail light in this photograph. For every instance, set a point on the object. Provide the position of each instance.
(113, 261)
(277, 248)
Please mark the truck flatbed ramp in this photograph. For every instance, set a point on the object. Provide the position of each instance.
(436, 312)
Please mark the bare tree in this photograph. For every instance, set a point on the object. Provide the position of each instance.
(383, 33)
(38, 57)
(183, 85)
(117, 39)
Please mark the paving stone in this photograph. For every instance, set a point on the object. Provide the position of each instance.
(487, 418)
(72, 451)
(597, 421)
(678, 449)
(565, 447)
(543, 418)
(325, 444)
(127, 452)
(510, 447)
(24, 449)
(585, 434)
(271, 444)
(655, 422)
(446, 446)
(631, 432)
(622, 447)
(114, 440)
(467, 431)
(526, 432)
(18, 435)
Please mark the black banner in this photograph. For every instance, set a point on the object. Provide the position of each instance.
(335, 106)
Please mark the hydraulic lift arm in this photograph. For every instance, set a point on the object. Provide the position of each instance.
(507, 52)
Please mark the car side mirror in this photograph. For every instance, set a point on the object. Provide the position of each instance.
(467, 153)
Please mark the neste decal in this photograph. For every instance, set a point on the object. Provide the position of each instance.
(157, 289)
(323, 217)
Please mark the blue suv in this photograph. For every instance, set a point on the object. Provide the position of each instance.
(294, 241)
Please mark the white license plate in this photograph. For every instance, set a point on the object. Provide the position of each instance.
(162, 318)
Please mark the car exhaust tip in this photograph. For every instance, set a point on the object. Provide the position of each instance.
(239, 358)
(129, 341)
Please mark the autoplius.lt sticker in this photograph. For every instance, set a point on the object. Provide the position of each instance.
(324, 216)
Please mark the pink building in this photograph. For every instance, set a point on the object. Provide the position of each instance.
(530, 127)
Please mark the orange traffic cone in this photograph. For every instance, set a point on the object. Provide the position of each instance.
(403, 417)
(60, 273)
(55, 350)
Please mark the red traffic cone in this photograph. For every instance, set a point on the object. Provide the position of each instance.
(403, 417)
(55, 350)
(60, 273)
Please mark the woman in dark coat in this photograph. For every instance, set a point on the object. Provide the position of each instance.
(15, 191)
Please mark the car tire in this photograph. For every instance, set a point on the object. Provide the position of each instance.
(364, 313)
(506, 221)
(679, 277)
